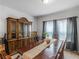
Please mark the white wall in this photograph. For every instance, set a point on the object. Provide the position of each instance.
(8, 12)
(63, 14)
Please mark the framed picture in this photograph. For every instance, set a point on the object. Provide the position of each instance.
(1, 42)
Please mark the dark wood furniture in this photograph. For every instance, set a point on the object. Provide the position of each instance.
(18, 36)
(55, 51)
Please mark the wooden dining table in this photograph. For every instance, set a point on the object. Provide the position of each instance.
(50, 52)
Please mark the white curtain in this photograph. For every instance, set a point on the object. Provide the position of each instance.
(62, 29)
(49, 28)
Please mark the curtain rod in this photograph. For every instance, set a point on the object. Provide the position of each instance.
(67, 18)
(63, 18)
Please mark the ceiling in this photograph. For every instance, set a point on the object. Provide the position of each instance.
(37, 8)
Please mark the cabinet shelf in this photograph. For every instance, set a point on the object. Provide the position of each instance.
(16, 32)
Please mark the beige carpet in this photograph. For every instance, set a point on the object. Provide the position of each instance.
(70, 55)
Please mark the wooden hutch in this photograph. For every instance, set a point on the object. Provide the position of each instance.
(18, 32)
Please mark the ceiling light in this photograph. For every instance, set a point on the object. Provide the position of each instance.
(45, 1)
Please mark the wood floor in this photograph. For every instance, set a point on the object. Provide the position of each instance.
(70, 55)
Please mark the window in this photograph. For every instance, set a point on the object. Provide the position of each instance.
(62, 28)
(58, 27)
(48, 28)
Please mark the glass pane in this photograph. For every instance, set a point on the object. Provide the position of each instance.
(62, 28)
(49, 28)
(25, 30)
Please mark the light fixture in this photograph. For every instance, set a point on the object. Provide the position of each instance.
(45, 1)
